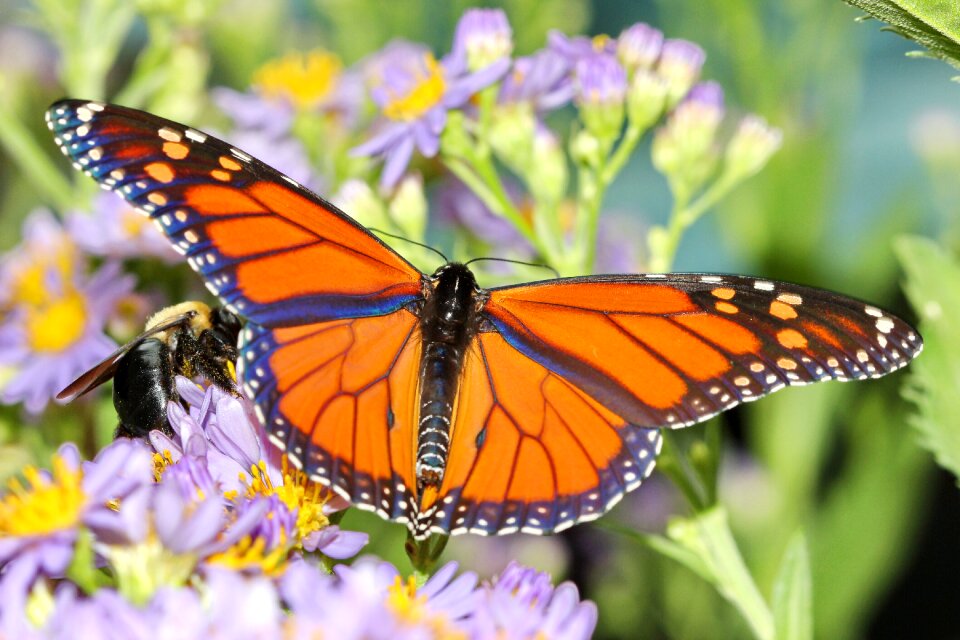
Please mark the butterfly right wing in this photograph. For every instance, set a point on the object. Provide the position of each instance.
(340, 397)
(271, 250)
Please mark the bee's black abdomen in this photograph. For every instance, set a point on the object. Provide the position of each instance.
(142, 386)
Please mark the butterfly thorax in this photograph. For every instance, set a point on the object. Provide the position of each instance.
(448, 322)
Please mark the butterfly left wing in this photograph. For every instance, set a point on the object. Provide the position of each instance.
(271, 250)
(672, 350)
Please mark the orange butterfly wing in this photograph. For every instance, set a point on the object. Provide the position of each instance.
(530, 451)
(340, 398)
(271, 250)
(674, 350)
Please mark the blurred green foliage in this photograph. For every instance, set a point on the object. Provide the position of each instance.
(824, 488)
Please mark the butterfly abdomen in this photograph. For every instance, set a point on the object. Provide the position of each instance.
(448, 323)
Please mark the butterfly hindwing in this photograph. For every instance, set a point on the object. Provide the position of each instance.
(674, 350)
(530, 451)
(339, 397)
(273, 252)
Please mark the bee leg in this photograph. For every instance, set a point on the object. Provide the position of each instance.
(210, 357)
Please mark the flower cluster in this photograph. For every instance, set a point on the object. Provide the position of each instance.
(200, 521)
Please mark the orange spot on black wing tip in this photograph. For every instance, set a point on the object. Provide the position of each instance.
(724, 293)
(782, 310)
(159, 171)
(221, 175)
(726, 307)
(792, 339)
(229, 163)
(176, 150)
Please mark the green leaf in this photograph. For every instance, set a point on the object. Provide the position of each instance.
(793, 593)
(933, 287)
(934, 24)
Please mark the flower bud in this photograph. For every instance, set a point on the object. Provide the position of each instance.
(639, 46)
(751, 146)
(646, 98)
(511, 134)
(600, 89)
(358, 199)
(684, 148)
(585, 148)
(483, 37)
(408, 209)
(547, 173)
(680, 63)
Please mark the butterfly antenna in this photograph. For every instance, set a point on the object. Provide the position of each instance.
(419, 244)
(527, 264)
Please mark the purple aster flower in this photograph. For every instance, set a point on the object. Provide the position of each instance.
(707, 95)
(219, 448)
(414, 92)
(39, 521)
(522, 603)
(52, 328)
(680, 63)
(483, 37)
(638, 46)
(600, 81)
(541, 80)
(254, 111)
(578, 47)
(114, 229)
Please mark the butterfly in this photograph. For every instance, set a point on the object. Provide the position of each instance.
(439, 404)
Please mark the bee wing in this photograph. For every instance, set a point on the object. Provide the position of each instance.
(106, 368)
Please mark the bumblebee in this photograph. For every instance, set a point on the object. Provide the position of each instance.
(189, 339)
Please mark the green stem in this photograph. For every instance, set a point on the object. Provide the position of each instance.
(35, 164)
(683, 216)
(487, 186)
(594, 187)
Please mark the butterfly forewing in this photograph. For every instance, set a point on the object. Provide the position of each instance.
(674, 350)
(270, 249)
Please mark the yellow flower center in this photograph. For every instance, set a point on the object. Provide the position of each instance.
(410, 607)
(297, 492)
(133, 223)
(46, 504)
(429, 87)
(251, 553)
(403, 599)
(305, 79)
(57, 325)
(30, 285)
(600, 42)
